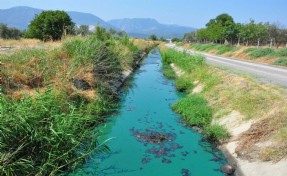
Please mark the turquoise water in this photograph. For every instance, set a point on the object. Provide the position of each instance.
(146, 112)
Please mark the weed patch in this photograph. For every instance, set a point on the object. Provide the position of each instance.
(216, 132)
(281, 61)
(260, 52)
(194, 110)
(184, 84)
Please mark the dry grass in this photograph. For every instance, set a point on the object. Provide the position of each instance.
(19, 43)
(264, 104)
(142, 43)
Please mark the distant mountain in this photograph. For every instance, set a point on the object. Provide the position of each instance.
(21, 16)
(146, 27)
(18, 17)
(88, 19)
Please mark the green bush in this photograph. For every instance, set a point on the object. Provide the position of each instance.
(216, 132)
(282, 52)
(221, 49)
(167, 71)
(184, 84)
(249, 50)
(281, 61)
(179, 44)
(202, 47)
(260, 52)
(194, 110)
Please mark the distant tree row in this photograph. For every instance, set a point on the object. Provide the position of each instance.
(223, 29)
(9, 33)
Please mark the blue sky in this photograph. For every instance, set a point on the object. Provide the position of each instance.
(193, 13)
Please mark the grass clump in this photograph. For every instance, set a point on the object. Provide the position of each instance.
(249, 50)
(168, 72)
(281, 62)
(184, 84)
(179, 44)
(202, 47)
(216, 132)
(261, 52)
(44, 135)
(194, 110)
(281, 52)
(221, 49)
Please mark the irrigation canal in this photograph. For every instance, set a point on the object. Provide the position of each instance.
(148, 138)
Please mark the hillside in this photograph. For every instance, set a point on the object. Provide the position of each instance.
(148, 26)
(21, 16)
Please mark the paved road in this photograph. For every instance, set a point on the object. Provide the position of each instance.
(264, 73)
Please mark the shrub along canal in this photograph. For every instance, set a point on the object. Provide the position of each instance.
(148, 138)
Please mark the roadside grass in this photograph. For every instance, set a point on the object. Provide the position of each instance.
(249, 50)
(221, 49)
(281, 61)
(249, 53)
(225, 92)
(51, 100)
(260, 52)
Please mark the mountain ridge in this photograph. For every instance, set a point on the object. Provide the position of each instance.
(148, 26)
(21, 16)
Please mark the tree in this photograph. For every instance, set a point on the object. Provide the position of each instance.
(121, 33)
(82, 30)
(261, 33)
(248, 31)
(221, 28)
(276, 34)
(175, 40)
(112, 31)
(189, 36)
(50, 25)
(229, 31)
(202, 34)
(9, 33)
(153, 37)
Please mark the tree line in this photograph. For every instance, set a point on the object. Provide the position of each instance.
(223, 29)
(9, 33)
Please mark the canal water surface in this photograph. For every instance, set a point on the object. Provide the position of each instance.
(148, 138)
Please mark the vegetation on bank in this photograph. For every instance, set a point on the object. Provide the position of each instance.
(234, 97)
(52, 99)
(194, 108)
(276, 56)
